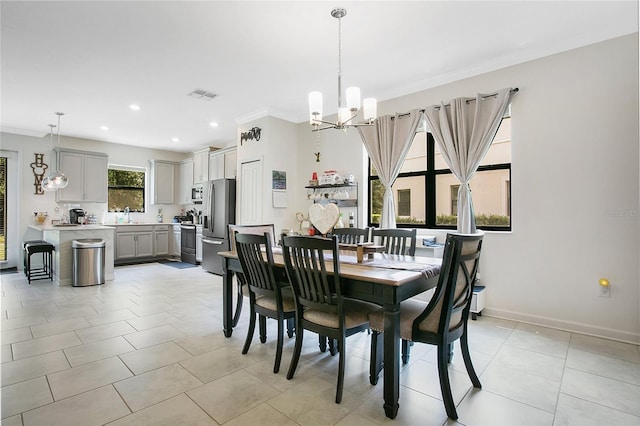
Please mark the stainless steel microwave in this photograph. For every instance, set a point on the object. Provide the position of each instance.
(196, 194)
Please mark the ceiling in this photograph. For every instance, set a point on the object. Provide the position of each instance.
(92, 59)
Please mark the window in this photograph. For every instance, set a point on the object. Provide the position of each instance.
(126, 189)
(404, 202)
(427, 192)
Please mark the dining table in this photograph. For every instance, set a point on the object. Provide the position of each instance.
(383, 279)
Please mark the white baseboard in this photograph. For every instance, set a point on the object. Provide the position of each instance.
(570, 326)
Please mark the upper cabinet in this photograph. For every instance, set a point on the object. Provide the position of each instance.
(162, 182)
(201, 166)
(87, 173)
(231, 164)
(186, 182)
(223, 164)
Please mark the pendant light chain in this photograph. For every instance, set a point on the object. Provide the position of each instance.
(339, 62)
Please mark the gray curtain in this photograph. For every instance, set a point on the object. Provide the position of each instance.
(464, 130)
(387, 143)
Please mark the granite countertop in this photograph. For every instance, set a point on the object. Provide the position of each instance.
(71, 227)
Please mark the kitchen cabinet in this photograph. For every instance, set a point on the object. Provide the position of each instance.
(135, 244)
(199, 243)
(216, 165)
(231, 164)
(87, 173)
(175, 241)
(161, 240)
(162, 182)
(223, 163)
(186, 182)
(201, 166)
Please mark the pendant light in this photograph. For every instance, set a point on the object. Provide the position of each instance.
(56, 180)
(348, 113)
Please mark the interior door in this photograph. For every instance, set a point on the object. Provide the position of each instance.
(251, 192)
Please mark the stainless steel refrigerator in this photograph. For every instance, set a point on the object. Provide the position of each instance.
(219, 203)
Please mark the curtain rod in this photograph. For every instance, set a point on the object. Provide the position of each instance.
(492, 95)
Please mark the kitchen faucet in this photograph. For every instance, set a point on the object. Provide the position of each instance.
(127, 215)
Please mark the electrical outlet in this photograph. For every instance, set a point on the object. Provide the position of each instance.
(605, 291)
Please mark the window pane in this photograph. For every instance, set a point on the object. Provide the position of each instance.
(490, 190)
(414, 188)
(126, 189)
(499, 152)
(416, 159)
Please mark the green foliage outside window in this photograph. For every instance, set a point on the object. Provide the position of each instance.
(126, 189)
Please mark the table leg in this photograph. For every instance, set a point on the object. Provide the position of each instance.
(391, 359)
(227, 296)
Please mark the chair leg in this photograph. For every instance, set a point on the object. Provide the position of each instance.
(333, 349)
(375, 363)
(276, 365)
(341, 363)
(290, 327)
(322, 343)
(263, 328)
(445, 386)
(406, 351)
(236, 316)
(252, 326)
(467, 362)
(296, 351)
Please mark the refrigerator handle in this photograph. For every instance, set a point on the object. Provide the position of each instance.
(212, 206)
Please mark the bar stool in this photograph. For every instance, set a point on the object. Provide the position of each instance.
(46, 249)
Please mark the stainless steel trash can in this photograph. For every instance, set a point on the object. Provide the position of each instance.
(88, 261)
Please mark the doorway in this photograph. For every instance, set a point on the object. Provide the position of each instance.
(251, 192)
(8, 216)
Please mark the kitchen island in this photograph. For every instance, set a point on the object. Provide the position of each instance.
(62, 236)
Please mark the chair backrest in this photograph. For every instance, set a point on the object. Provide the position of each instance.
(306, 261)
(251, 229)
(447, 312)
(351, 235)
(397, 241)
(256, 259)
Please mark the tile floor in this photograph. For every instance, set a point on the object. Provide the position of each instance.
(148, 349)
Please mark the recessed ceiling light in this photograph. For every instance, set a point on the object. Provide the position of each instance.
(105, 128)
(213, 124)
(134, 107)
(175, 140)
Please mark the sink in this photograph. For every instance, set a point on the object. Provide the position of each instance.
(64, 225)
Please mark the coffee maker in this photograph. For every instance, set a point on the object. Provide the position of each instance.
(74, 214)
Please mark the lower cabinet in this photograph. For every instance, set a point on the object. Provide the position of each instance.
(141, 242)
(161, 235)
(175, 241)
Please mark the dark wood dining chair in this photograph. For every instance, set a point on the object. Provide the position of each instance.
(267, 297)
(396, 241)
(246, 229)
(320, 306)
(442, 320)
(351, 235)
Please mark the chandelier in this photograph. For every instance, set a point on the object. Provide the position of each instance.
(56, 180)
(347, 113)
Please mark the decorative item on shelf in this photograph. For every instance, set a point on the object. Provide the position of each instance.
(40, 217)
(351, 220)
(56, 180)
(39, 168)
(340, 223)
(348, 113)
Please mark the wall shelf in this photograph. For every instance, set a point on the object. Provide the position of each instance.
(343, 195)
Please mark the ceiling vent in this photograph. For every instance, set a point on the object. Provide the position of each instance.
(203, 95)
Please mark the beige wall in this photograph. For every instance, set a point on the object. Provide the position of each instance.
(575, 183)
